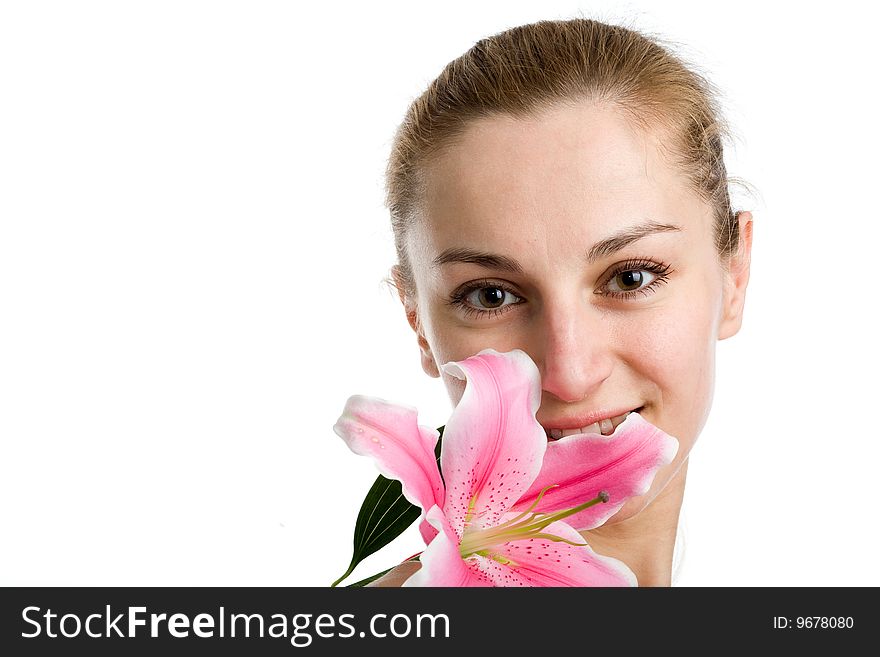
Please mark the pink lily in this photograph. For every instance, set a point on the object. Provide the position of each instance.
(508, 506)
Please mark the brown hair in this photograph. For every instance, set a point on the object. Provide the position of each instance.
(529, 68)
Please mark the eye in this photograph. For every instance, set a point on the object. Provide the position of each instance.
(636, 277)
(630, 281)
(489, 298)
(484, 298)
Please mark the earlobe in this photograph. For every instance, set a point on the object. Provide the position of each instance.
(429, 365)
(736, 280)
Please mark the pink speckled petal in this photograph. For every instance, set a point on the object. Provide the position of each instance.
(441, 561)
(623, 464)
(492, 443)
(402, 449)
(544, 562)
(427, 530)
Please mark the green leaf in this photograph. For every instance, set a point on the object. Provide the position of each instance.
(385, 514)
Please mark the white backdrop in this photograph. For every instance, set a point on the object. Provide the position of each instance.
(192, 250)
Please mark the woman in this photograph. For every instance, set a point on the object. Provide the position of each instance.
(560, 189)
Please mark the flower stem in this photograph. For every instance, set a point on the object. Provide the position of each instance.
(346, 574)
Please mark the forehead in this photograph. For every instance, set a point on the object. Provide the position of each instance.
(583, 164)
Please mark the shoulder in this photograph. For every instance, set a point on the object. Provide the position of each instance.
(397, 575)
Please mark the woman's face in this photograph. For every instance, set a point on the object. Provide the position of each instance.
(571, 237)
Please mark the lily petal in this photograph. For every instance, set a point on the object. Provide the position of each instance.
(441, 561)
(623, 464)
(492, 443)
(401, 448)
(545, 562)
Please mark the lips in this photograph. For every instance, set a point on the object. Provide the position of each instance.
(604, 427)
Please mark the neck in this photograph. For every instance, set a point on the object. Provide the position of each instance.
(646, 541)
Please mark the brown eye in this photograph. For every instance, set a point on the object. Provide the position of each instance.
(630, 281)
(490, 297)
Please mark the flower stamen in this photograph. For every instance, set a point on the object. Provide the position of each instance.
(523, 526)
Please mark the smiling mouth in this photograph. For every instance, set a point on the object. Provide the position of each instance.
(604, 427)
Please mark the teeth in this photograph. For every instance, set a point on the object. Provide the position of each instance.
(605, 428)
(593, 428)
(615, 421)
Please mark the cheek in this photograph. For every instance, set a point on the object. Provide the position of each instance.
(450, 342)
(676, 357)
(449, 345)
(459, 345)
(681, 354)
(678, 360)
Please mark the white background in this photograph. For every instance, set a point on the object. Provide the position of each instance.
(192, 251)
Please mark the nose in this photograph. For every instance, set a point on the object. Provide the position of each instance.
(572, 351)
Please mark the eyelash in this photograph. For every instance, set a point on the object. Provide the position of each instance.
(660, 271)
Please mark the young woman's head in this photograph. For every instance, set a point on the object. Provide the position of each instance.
(560, 189)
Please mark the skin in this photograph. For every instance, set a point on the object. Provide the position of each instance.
(542, 191)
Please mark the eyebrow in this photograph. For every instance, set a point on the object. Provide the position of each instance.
(626, 237)
(601, 249)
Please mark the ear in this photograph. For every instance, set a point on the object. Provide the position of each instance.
(736, 280)
(429, 365)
